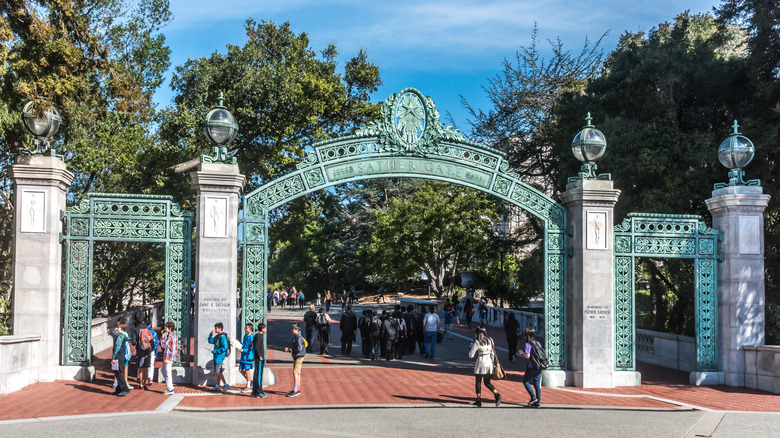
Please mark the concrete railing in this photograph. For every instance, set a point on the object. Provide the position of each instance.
(103, 327)
(496, 317)
(667, 350)
(18, 361)
(762, 370)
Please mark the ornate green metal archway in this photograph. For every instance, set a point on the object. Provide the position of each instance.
(123, 218)
(666, 236)
(407, 141)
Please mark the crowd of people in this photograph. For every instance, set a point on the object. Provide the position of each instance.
(390, 335)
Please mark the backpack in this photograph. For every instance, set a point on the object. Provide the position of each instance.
(125, 349)
(374, 325)
(391, 329)
(322, 320)
(156, 341)
(539, 357)
(229, 345)
(145, 339)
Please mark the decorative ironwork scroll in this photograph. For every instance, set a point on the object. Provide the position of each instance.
(126, 218)
(666, 236)
(409, 141)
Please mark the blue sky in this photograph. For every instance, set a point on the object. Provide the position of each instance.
(443, 48)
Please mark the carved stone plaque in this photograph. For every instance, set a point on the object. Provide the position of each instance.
(749, 235)
(215, 217)
(32, 217)
(596, 230)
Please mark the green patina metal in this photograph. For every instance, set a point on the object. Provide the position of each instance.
(666, 236)
(406, 141)
(123, 218)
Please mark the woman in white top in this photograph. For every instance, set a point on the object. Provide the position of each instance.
(485, 352)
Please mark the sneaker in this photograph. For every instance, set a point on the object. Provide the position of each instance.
(536, 403)
(293, 393)
(123, 393)
(261, 395)
(532, 401)
(216, 388)
(168, 392)
(225, 387)
(498, 400)
(246, 389)
(114, 385)
(129, 386)
(142, 388)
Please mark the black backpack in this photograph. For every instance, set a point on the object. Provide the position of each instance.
(322, 321)
(229, 345)
(539, 357)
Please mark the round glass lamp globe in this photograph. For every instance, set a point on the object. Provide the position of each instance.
(221, 127)
(589, 144)
(736, 152)
(38, 125)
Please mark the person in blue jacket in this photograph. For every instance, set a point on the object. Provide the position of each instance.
(247, 356)
(221, 346)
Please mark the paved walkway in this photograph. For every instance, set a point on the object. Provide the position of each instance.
(335, 380)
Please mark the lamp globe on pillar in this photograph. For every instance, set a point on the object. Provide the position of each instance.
(221, 129)
(736, 152)
(42, 124)
(588, 146)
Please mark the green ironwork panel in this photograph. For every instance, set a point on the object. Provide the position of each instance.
(131, 228)
(555, 310)
(178, 299)
(625, 328)
(706, 315)
(253, 291)
(77, 313)
(666, 236)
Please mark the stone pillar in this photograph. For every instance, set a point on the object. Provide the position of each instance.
(590, 291)
(738, 212)
(40, 184)
(216, 263)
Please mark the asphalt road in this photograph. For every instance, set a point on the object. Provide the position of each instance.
(412, 422)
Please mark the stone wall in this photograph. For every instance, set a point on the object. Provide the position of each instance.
(762, 367)
(18, 361)
(666, 350)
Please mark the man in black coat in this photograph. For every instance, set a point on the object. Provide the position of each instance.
(389, 336)
(348, 326)
(310, 318)
(410, 321)
(364, 324)
(258, 345)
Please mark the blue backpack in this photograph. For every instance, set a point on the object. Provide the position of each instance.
(156, 346)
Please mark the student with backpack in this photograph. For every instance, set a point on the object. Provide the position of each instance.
(537, 361)
(143, 340)
(323, 329)
(221, 350)
(170, 346)
(298, 350)
(375, 331)
(247, 357)
(120, 357)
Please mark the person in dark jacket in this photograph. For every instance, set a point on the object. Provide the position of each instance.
(511, 325)
(365, 337)
(348, 326)
(409, 319)
(298, 350)
(119, 358)
(258, 345)
(310, 319)
(323, 330)
(419, 331)
(375, 331)
(390, 336)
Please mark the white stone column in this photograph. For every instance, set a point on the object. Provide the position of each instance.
(590, 286)
(40, 184)
(216, 263)
(738, 212)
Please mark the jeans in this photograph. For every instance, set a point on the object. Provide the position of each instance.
(375, 347)
(430, 343)
(535, 375)
(167, 372)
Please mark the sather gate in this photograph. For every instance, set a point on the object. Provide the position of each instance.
(407, 141)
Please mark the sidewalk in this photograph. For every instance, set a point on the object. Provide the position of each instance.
(335, 380)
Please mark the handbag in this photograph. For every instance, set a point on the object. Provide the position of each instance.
(498, 371)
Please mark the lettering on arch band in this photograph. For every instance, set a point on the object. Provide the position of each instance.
(408, 165)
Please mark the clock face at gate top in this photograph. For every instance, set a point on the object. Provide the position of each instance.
(409, 118)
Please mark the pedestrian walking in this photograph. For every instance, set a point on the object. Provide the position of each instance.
(319, 298)
(400, 345)
(511, 326)
(143, 340)
(375, 330)
(170, 345)
(348, 326)
(431, 323)
(533, 375)
(328, 300)
(409, 323)
(364, 324)
(120, 357)
(323, 329)
(258, 345)
(310, 321)
(344, 300)
(468, 310)
(484, 350)
(483, 310)
(390, 336)
(448, 322)
(298, 350)
(221, 345)
(301, 300)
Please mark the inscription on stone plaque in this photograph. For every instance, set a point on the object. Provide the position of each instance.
(414, 166)
(597, 230)
(215, 220)
(214, 304)
(33, 220)
(598, 312)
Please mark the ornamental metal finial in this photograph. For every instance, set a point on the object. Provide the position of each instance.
(734, 153)
(588, 146)
(588, 120)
